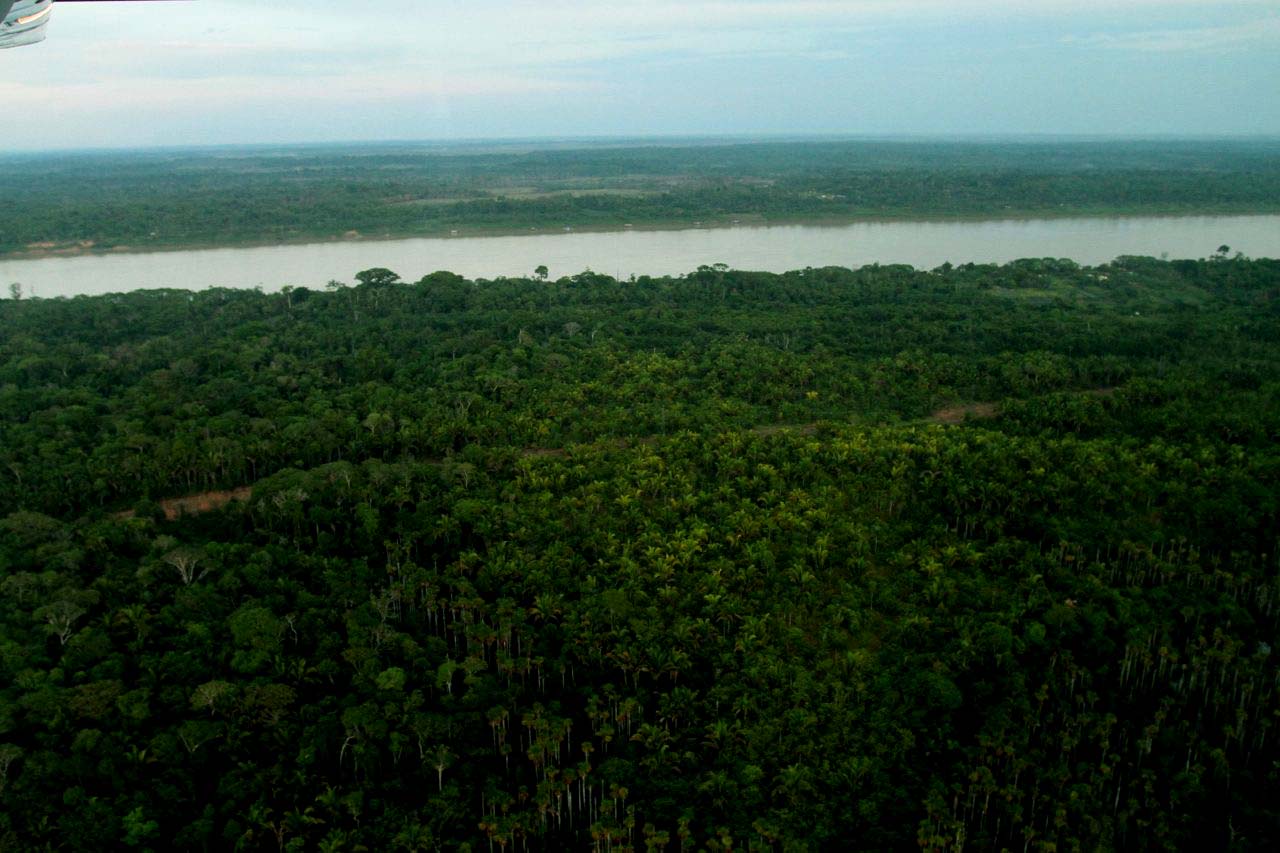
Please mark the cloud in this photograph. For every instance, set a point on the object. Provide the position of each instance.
(105, 96)
(160, 70)
(544, 40)
(487, 34)
(1265, 32)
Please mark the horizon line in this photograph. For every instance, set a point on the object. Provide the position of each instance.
(669, 139)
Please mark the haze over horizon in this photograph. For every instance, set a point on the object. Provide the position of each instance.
(238, 72)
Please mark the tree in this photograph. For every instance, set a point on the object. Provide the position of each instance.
(137, 828)
(8, 754)
(185, 561)
(441, 758)
(377, 277)
(211, 694)
(61, 617)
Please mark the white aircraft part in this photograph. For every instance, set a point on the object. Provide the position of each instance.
(24, 22)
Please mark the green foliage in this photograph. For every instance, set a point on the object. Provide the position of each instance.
(94, 202)
(137, 828)
(978, 556)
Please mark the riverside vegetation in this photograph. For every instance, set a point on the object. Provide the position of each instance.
(684, 563)
(71, 203)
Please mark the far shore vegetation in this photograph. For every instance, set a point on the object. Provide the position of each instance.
(155, 200)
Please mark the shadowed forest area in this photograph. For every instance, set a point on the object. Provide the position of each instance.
(976, 556)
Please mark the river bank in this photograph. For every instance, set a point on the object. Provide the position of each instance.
(772, 248)
(82, 248)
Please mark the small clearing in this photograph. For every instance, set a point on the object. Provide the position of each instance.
(960, 414)
(174, 508)
(774, 429)
(203, 502)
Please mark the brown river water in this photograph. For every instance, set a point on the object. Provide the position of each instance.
(623, 253)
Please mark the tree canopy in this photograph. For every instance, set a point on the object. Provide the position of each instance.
(981, 555)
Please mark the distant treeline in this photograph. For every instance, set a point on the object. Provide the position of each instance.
(174, 198)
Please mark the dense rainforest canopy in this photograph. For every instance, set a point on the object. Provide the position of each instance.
(102, 201)
(980, 556)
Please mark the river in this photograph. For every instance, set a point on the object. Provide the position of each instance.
(774, 248)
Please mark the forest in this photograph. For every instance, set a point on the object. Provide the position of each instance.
(979, 556)
(75, 202)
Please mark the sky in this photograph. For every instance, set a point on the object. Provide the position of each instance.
(252, 71)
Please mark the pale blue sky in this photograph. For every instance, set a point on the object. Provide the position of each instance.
(230, 71)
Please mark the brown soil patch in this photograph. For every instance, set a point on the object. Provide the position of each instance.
(48, 248)
(544, 453)
(203, 502)
(959, 414)
(985, 411)
(175, 508)
(774, 429)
